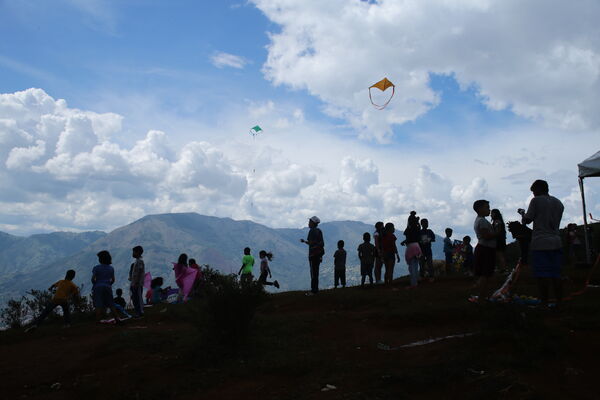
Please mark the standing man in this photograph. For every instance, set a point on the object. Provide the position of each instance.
(137, 273)
(545, 212)
(316, 249)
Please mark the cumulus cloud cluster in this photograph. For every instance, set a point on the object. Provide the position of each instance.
(63, 168)
(539, 59)
(66, 161)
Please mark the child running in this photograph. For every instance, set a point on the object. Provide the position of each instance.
(65, 291)
(246, 268)
(339, 265)
(265, 270)
(366, 255)
(103, 276)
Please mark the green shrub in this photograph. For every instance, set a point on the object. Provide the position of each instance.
(226, 308)
(17, 311)
(37, 300)
(14, 314)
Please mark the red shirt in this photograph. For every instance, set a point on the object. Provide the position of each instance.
(388, 243)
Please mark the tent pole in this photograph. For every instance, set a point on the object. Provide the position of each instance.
(585, 224)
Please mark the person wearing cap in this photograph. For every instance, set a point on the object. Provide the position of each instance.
(545, 212)
(316, 249)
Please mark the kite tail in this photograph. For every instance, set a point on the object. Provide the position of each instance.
(509, 282)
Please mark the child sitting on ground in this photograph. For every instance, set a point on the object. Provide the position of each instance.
(265, 270)
(65, 291)
(339, 265)
(366, 254)
(120, 303)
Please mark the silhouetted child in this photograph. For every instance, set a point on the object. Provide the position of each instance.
(389, 252)
(484, 256)
(157, 292)
(412, 219)
(246, 268)
(467, 250)
(426, 238)
(137, 275)
(103, 276)
(366, 254)
(120, 303)
(265, 271)
(180, 268)
(448, 250)
(377, 235)
(522, 234)
(65, 291)
(413, 252)
(339, 265)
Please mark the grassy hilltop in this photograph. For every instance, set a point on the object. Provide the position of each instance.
(297, 345)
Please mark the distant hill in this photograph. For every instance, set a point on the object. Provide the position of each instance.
(218, 242)
(24, 256)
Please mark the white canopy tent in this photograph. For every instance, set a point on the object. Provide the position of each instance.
(588, 168)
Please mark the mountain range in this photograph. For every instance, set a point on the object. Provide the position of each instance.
(36, 261)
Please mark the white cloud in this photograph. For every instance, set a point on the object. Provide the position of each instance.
(358, 175)
(65, 158)
(20, 157)
(221, 59)
(279, 178)
(539, 59)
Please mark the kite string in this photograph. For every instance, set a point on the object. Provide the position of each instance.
(381, 107)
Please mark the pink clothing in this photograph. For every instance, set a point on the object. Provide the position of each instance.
(180, 270)
(412, 250)
(185, 277)
(147, 280)
(199, 273)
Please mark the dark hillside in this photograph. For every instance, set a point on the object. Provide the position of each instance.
(298, 345)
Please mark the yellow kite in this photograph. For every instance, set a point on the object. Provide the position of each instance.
(382, 85)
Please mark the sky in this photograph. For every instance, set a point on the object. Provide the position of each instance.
(112, 110)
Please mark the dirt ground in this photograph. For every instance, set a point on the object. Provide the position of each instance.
(300, 344)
